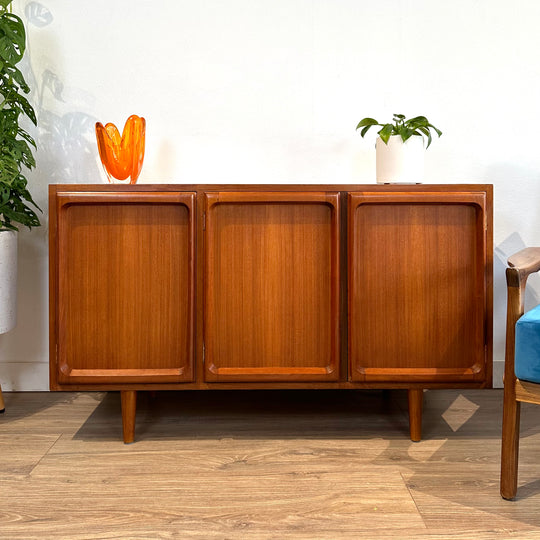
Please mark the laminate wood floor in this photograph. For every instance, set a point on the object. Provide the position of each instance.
(263, 464)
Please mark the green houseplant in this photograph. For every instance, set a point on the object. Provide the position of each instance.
(419, 125)
(15, 141)
(400, 147)
(15, 155)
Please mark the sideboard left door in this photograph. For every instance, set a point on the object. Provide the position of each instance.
(123, 287)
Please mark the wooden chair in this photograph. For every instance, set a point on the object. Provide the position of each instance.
(516, 390)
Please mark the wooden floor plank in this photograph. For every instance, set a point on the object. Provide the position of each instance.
(278, 501)
(19, 453)
(263, 465)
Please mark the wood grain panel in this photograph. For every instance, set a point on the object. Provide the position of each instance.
(125, 287)
(272, 286)
(417, 286)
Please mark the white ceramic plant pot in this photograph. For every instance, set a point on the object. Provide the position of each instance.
(8, 280)
(400, 162)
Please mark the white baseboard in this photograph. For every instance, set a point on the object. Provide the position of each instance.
(498, 371)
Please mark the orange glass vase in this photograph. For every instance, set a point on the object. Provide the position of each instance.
(122, 157)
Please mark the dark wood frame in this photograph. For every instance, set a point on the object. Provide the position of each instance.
(520, 267)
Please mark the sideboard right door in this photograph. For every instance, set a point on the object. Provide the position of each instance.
(419, 287)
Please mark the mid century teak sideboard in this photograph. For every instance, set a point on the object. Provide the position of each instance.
(168, 287)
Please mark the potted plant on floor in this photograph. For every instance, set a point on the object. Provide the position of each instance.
(400, 147)
(15, 155)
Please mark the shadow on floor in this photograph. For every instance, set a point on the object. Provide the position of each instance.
(468, 414)
(20, 405)
(254, 414)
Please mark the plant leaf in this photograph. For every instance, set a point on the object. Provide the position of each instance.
(365, 130)
(12, 38)
(418, 121)
(367, 122)
(438, 131)
(385, 132)
(425, 131)
(406, 133)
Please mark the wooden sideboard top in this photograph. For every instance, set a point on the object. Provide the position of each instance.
(273, 187)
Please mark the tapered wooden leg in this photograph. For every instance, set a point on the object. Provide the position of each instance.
(2, 405)
(416, 400)
(129, 407)
(510, 445)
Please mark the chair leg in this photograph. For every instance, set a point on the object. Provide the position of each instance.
(2, 405)
(510, 446)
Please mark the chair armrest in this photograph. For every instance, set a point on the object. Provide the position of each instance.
(520, 266)
(525, 262)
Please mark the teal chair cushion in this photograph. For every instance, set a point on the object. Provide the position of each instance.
(527, 366)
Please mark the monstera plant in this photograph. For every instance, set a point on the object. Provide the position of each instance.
(16, 203)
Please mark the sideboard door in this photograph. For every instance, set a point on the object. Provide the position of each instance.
(272, 286)
(124, 294)
(419, 273)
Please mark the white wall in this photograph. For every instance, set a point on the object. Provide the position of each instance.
(271, 91)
